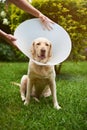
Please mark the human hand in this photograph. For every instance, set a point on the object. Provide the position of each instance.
(11, 39)
(46, 22)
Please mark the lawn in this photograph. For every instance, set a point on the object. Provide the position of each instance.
(71, 93)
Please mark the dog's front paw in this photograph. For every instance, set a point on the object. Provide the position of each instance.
(26, 103)
(23, 98)
(57, 107)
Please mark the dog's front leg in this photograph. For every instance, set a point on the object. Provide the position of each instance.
(29, 87)
(53, 90)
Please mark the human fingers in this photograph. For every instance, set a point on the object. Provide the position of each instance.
(14, 43)
(12, 40)
(11, 37)
(47, 23)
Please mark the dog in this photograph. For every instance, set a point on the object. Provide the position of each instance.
(40, 80)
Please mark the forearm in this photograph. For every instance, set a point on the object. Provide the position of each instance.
(24, 5)
(3, 34)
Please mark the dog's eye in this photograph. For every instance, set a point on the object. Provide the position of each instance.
(46, 44)
(38, 43)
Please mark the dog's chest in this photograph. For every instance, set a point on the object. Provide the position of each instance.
(39, 85)
(39, 79)
(40, 76)
(40, 72)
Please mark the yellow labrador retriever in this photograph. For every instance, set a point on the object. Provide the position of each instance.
(40, 79)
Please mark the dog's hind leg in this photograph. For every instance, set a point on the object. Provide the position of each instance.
(23, 87)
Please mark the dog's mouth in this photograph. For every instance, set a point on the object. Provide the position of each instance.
(42, 56)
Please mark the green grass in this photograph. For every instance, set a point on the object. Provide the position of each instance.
(71, 93)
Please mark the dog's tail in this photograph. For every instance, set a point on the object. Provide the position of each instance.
(17, 84)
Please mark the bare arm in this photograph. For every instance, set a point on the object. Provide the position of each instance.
(24, 5)
(8, 37)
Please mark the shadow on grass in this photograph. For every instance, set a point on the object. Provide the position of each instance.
(65, 76)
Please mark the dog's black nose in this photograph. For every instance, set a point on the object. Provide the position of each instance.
(43, 50)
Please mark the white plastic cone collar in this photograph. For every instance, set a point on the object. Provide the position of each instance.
(32, 29)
